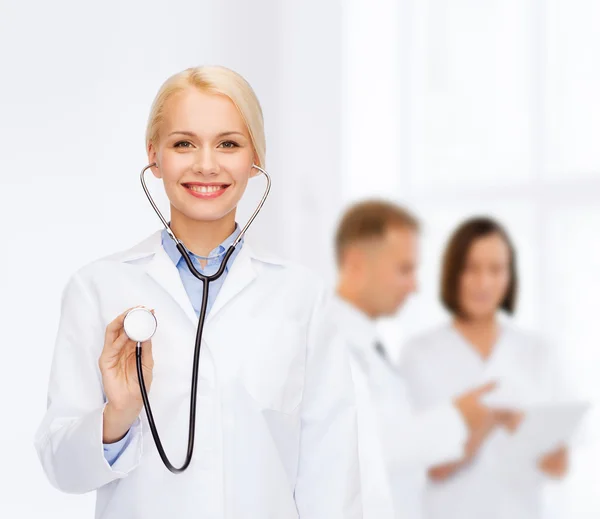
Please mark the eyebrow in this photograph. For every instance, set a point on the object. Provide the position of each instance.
(192, 134)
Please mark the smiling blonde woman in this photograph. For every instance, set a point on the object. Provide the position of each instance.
(276, 433)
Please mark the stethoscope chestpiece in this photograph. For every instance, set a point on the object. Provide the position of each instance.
(139, 324)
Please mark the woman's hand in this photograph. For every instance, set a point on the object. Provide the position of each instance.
(119, 377)
(510, 419)
(555, 464)
(488, 421)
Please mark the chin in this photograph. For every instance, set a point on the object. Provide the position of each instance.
(207, 213)
(208, 216)
(391, 312)
(477, 314)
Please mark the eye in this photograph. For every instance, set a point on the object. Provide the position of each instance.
(405, 269)
(182, 144)
(498, 269)
(470, 268)
(229, 145)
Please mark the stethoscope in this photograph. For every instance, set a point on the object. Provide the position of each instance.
(140, 323)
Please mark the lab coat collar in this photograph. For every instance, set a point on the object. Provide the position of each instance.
(356, 326)
(154, 259)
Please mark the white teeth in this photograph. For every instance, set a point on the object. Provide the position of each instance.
(205, 189)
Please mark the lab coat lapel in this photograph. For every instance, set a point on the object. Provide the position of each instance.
(241, 273)
(162, 270)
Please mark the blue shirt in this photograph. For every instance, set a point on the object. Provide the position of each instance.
(193, 288)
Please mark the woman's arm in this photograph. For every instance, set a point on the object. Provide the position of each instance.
(69, 440)
(442, 472)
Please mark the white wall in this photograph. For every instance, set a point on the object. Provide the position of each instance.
(78, 80)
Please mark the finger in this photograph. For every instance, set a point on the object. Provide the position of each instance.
(147, 348)
(486, 388)
(147, 357)
(557, 453)
(511, 420)
(508, 414)
(115, 347)
(115, 326)
(130, 346)
(502, 414)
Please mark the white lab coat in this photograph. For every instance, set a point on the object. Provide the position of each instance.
(276, 417)
(440, 365)
(396, 445)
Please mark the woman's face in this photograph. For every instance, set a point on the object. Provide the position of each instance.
(486, 277)
(204, 155)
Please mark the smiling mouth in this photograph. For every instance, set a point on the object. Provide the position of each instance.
(206, 190)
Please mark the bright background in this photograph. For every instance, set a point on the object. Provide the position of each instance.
(452, 107)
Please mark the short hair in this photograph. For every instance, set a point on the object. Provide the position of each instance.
(213, 80)
(455, 258)
(370, 219)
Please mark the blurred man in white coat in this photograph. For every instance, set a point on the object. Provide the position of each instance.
(377, 249)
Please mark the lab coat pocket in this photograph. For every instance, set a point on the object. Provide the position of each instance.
(273, 370)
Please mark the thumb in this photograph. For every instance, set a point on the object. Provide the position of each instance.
(486, 388)
(147, 357)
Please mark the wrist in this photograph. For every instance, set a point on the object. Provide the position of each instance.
(116, 422)
(460, 407)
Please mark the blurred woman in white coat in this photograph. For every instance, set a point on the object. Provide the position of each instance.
(479, 281)
(276, 434)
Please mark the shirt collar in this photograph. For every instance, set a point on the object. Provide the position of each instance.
(173, 252)
(152, 245)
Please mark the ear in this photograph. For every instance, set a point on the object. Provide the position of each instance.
(254, 172)
(153, 159)
(354, 257)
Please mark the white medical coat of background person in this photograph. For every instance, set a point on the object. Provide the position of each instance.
(396, 445)
(276, 433)
(442, 364)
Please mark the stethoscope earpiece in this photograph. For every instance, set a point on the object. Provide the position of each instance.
(168, 227)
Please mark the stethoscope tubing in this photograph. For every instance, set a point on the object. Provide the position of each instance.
(206, 280)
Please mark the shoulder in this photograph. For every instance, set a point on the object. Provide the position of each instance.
(526, 342)
(287, 274)
(421, 349)
(541, 359)
(108, 265)
(518, 333)
(430, 340)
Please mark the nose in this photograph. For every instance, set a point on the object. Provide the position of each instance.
(205, 162)
(415, 285)
(485, 281)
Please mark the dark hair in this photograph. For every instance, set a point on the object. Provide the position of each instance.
(370, 219)
(455, 258)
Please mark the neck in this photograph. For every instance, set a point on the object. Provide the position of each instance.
(201, 237)
(349, 293)
(481, 333)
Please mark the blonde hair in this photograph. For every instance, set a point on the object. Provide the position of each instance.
(215, 80)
